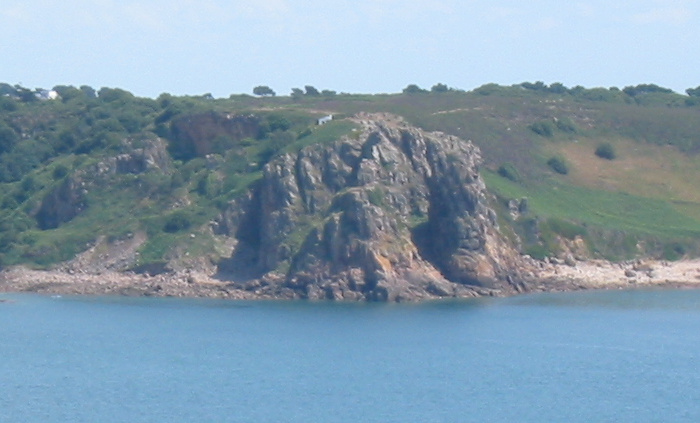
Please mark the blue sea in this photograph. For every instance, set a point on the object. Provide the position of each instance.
(575, 357)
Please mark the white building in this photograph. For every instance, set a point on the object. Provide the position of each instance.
(47, 95)
(325, 119)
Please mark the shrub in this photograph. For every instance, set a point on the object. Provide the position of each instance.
(673, 251)
(178, 221)
(60, 172)
(565, 124)
(559, 165)
(543, 128)
(508, 171)
(565, 228)
(606, 151)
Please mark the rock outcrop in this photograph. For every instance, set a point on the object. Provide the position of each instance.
(68, 199)
(61, 204)
(196, 135)
(389, 213)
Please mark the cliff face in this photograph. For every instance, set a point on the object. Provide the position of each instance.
(389, 213)
(201, 134)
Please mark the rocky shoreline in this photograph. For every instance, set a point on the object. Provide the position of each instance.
(542, 276)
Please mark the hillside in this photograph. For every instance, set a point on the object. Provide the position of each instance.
(106, 181)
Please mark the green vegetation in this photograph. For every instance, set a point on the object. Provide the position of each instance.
(544, 128)
(376, 197)
(559, 165)
(263, 90)
(74, 168)
(508, 171)
(606, 151)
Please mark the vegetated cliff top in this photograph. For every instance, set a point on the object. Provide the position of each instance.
(107, 169)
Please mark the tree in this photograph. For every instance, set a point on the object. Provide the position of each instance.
(25, 94)
(297, 93)
(558, 88)
(7, 89)
(311, 91)
(8, 138)
(109, 95)
(645, 89)
(68, 92)
(537, 86)
(413, 89)
(263, 90)
(89, 91)
(693, 92)
(440, 88)
(328, 93)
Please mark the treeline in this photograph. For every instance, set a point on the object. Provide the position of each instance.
(647, 94)
(36, 126)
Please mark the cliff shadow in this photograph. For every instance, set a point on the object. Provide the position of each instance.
(242, 266)
(423, 238)
(244, 263)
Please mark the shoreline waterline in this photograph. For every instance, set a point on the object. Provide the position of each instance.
(542, 277)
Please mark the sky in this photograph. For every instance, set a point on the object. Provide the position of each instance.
(226, 47)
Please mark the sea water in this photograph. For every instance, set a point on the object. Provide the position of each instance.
(575, 357)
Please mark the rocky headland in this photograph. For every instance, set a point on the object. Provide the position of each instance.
(387, 213)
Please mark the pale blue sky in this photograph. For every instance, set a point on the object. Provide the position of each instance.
(360, 46)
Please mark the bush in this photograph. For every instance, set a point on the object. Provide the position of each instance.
(606, 151)
(565, 124)
(508, 171)
(673, 251)
(60, 172)
(178, 221)
(559, 165)
(566, 229)
(543, 128)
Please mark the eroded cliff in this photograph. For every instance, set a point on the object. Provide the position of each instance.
(388, 213)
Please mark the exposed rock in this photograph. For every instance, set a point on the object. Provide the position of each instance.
(198, 134)
(516, 208)
(152, 156)
(104, 256)
(395, 214)
(62, 204)
(569, 260)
